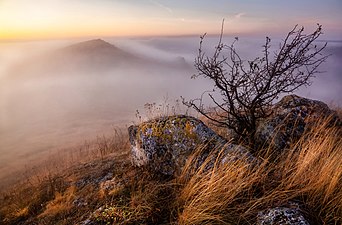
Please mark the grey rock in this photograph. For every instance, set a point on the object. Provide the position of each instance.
(227, 154)
(87, 222)
(234, 152)
(290, 117)
(290, 215)
(79, 202)
(112, 185)
(93, 180)
(164, 144)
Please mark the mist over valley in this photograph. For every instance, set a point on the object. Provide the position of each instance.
(55, 95)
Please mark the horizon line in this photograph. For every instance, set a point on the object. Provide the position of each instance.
(92, 37)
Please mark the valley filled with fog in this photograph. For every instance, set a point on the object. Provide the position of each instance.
(58, 94)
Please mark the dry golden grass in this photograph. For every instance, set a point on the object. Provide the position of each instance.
(214, 197)
(312, 171)
(46, 194)
(309, 174)
(62, 202)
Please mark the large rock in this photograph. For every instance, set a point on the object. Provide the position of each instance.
(290, 117)
(290, 215)
(164, 144)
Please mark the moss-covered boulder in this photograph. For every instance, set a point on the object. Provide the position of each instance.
(164, 144)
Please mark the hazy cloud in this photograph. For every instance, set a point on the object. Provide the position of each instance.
(162, 6)
(239, 15)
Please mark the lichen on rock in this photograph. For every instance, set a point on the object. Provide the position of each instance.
(290, 118)
(164, 144)
(287, 215)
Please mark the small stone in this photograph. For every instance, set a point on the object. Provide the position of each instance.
(282, 216)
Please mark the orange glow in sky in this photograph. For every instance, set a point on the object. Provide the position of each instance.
(41, 19)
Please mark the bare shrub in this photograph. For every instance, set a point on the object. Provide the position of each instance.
(248, 88)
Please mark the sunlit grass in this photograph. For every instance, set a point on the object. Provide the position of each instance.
(309, 174)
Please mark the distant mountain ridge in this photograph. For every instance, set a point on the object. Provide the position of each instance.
(97, 54)
(91, 44)
(97, 47)
(94, 56)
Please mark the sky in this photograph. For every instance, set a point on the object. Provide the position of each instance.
(58, 19)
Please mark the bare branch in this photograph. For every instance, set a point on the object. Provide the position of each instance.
(249, 87)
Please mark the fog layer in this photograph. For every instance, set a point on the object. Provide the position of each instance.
(57, 94)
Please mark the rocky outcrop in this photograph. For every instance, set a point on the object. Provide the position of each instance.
(290, 215)
(164, 144)
(289, 119)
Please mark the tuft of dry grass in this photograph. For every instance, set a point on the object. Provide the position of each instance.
(312, 172)
(218, 196)
(62, 202)
(309, 173)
